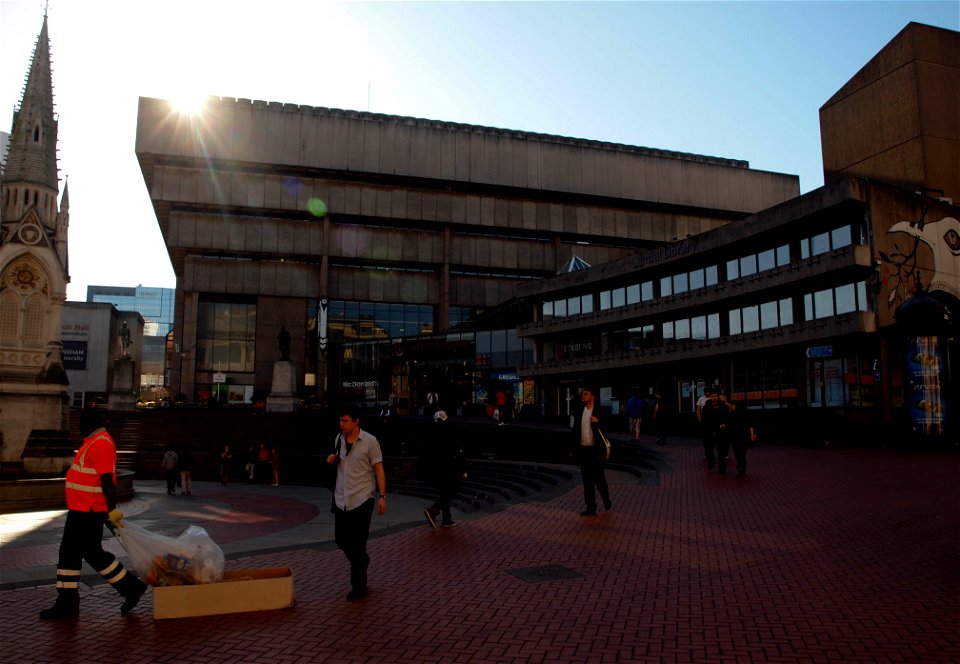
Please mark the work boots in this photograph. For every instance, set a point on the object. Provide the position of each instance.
(66, 606)
(132, 590)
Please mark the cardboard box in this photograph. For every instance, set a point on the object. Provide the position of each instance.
(240, 591)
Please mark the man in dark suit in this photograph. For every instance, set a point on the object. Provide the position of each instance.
(590, 453)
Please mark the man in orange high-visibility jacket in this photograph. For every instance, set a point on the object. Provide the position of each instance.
(91, 501)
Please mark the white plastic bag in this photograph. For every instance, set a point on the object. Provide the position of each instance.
(164, 561)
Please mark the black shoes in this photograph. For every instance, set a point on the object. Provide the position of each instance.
(134, 591)
(357, 593)
(448, 524)
(60, 611)
(607, 505)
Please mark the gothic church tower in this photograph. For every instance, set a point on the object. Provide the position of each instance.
(33, 269)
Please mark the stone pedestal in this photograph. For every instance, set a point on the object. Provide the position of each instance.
(283, 392)
(122, 394)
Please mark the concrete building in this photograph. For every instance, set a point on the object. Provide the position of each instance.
(33, 272)
(803, 309)
(90, 333)
(375, 238)
(156, 307)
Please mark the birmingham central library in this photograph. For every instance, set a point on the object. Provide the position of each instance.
(406, 255)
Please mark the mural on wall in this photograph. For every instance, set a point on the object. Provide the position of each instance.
(901, 268)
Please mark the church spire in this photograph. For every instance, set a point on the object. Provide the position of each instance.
(32, 154)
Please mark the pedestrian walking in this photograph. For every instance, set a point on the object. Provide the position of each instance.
(226, 458)
(169, 467)
(185, 463)
(275, 465)
(715, 419)
(443, 465)
(743, 434)
(635, 407)
(91, 491)
(360, 485)
(590, 453)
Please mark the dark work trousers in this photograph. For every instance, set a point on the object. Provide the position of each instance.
(172, 476)
(82, 540)
(591, 470)
(447, 489)
(351, 530)
(722, 438)
(739, 444)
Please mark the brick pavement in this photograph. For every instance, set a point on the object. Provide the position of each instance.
(815, 556)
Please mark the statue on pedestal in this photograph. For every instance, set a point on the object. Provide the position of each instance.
(124, 338)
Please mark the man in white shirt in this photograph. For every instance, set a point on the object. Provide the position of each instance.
(359, 462)
(590, 453)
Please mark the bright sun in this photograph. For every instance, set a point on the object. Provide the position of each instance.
(188, 103)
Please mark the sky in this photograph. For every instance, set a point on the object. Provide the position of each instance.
(738, 80)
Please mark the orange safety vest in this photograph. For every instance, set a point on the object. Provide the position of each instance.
(84, 492)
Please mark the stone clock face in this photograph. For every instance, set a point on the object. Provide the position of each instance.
(24, 277)
(29, 234)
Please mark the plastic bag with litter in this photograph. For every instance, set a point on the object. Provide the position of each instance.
(166, 561)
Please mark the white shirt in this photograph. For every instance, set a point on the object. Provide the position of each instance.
(356, 481)
(586, 428)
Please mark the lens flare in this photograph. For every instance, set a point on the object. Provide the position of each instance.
(317, 207)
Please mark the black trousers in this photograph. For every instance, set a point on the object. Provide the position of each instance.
(718, 440)
(739, 445)
(594, 479)
(83, 540)
(351, 531)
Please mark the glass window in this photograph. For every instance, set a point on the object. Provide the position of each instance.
(733, 269)
(498, 348)
(823, 303)
(619, 297)
(547, 310)
(646, 291)
(748, 265)
(808, 306)
(586, 304)
(713, 326)
(681, 328)
(604, 300)
(560, 308)
(786, 311)
(666, 287)
(633, 294)
(680, 283)
(819, 244)
(668, 330)
(862, 302)
(783, 255)
(696, 279)
(711, 273)
(573, 306)
(768, 315)
(840, 237)
(735, 321)
(766, 260)
(846, 297)
(751, 319)
(805, 248)
(698, 327)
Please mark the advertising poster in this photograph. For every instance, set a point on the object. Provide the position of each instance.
(925, 397)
